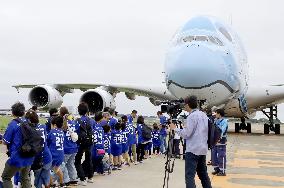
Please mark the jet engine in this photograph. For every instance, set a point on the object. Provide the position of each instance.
(44, 96)
(98, 99)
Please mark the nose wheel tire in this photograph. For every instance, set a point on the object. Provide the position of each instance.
(277, 128)
(266, 128)
(237, 127)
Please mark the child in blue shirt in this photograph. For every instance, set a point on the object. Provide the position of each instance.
(70, 147)
(116, 146)
(55, 142)
(124, 139)
(41, 173)
(98, 147)
(156, 139)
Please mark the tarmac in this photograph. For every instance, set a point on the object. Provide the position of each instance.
(254, 161)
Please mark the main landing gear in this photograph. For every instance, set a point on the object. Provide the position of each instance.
(243, 126)
(272, 116)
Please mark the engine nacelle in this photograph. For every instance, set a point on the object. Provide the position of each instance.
(44, 96)
(98, 99)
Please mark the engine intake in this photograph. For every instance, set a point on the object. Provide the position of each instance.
(98, 99)
(45, 97)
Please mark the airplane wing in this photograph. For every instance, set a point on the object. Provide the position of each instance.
(259, 98)
(154, 92)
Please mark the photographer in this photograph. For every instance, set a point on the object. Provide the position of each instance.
(163, 131)
(196, 135)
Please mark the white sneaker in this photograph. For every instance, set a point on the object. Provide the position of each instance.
(90, 180)
(83, 183)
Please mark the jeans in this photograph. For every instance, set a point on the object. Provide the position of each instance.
(87, 170)
(10, 171)
(193, 164)
(163, 147)
(98, 165)
(219, 158)
(132, 152)
(42, 176)
(68, 168)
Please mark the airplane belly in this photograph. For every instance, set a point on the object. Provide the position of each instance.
(215, 95)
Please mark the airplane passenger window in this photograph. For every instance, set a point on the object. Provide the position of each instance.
(219, 41)
(188, 39)
(225, 33)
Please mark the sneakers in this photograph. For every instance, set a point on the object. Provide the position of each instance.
(136, 163)
(114, 168)
(209, 163)
(83, 183)
(221, 174)
(73, 183)
(90, 180)
(215, 172)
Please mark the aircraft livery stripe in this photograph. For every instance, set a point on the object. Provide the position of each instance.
(205, 86)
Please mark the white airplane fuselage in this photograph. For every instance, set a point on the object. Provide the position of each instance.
(206, 58)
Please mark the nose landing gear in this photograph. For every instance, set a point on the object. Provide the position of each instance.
(272, 116)
(243, 126)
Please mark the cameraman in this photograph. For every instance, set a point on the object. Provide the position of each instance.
(163, 131)
(196, 135)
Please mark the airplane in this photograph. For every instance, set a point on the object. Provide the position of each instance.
(205, 58)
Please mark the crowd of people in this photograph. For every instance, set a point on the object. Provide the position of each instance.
(68, 151)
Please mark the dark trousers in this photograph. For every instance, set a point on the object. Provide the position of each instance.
(140, 152)
(156, 148)
(219, 158)
(176, 150)
(10, 171)
(98, 164)
(196, 164)
(88, 171)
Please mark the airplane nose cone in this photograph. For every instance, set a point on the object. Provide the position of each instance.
(195, 67)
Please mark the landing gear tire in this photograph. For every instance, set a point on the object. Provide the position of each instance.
(248, 127)
(277, 128)
(237, 127)
(266, 128)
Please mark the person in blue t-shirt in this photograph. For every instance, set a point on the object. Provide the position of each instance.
(163, 131)
(125, 139)
(219, 158)
(107, 138)
(113, 120)
(141, 141)
(132, 116)
(132, 142)
(98, 147)
(55, 140)
(41, 171)
(116, 146)
(70, 147)
(53, 112)
(156, 139)
(13, 139)
(84, 169)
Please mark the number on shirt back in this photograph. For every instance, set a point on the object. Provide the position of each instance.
(59, 143)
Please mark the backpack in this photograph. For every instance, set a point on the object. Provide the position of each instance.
(146, 132)
(85, 133)
(32, 142)
(214, 133)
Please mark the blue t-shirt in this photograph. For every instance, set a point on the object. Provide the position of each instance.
(163, 120)
(129, 118)
(156, 138)
(116, 137)
(163, 132)
(124, 135)
(139, 132)
(70, 147)
(98, 137)
(55, 140)
(46, 155)
(13, 137)
(132, 134)
(112, 122)
(107, 138)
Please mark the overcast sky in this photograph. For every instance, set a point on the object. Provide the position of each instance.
(122, 42)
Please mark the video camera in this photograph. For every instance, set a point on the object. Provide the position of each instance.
(173, 108)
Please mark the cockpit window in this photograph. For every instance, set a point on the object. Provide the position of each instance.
(188, 39)
(201, 38)
(225, 33)
(205, 38)
(219, 41)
